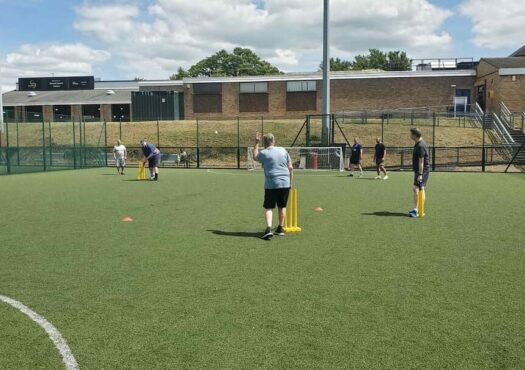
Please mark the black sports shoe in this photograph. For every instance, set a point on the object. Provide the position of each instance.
(280, 231)
(267, 234)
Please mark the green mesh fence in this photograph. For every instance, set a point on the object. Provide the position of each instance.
(32, 146)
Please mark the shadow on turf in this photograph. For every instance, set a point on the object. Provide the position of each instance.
(239, 234)
(386, 214)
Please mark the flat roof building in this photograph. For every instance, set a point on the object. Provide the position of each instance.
(432, 84)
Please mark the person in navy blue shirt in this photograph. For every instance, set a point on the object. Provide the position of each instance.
(152, 157)
(356, 157)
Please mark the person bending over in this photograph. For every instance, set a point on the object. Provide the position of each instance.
(152, 157)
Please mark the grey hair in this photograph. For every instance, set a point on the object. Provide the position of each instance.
(268, 140)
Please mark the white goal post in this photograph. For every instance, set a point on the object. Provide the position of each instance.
(308, 158)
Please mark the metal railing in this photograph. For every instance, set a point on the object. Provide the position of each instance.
(443, 64)
(502, 131)
(506, 115)
(479, 115)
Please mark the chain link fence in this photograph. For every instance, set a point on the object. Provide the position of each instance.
(458, 142)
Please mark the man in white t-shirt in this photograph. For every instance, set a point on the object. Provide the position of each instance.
(120, 154)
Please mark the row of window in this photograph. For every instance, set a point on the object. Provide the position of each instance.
(252, 102)
(254, 87)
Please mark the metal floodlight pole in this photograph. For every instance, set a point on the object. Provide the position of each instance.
(326, 74)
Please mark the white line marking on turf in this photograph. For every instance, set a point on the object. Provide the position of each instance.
(52, 332)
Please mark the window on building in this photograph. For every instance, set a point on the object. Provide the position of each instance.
(301, 96)
(301, 86)
(207, 98)
(254, 87)
(207, 89)
(91, 112)
(120, 112)
(62, 113)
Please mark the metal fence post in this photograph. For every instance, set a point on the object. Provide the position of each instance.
(483, 159)
(198, 149)
(262, 125)
(44, 143)
(402, 158)
(84, 143)
(80, 143)
(434, 142)
(238, 143)
(120, 128)
(158, 134)
(106, 142)
(7, 148)
(50, 145)
(382, 128)
(17, 147)
(74, 146)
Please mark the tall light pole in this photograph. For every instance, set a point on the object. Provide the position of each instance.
(325, 137)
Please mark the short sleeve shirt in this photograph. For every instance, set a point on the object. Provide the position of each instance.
(380, 151)
(356, 152)
(274, 161)
(150, 149)
(420, 151)
(120, 151)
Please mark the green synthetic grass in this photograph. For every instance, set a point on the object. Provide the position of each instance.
(188, 285)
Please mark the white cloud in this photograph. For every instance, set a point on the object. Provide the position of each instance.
(496, 23)
(153, 41)
(46, 59)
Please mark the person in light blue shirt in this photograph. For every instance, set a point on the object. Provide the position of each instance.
(278, 173)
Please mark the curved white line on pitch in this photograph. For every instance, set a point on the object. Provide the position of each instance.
(52, 332)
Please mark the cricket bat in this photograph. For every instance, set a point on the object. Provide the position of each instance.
(421, 201)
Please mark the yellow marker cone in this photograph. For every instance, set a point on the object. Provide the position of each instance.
(291, 220)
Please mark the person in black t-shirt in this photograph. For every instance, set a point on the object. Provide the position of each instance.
(356, 157)
(420, 165)
(379, 158)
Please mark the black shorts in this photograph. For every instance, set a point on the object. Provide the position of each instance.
(273, 197)
(380, 162)
(154, 161)
(426, 174)
(355, 161)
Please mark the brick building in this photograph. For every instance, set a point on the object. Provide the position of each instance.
(501, 80)
(429, 85)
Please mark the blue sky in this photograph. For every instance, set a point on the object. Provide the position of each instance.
(41, 23)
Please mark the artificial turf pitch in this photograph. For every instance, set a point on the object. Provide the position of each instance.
(188, 285)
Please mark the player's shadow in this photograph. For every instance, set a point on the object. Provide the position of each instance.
(238, 234)
(386, 214)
